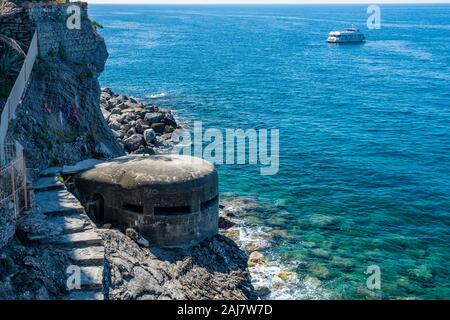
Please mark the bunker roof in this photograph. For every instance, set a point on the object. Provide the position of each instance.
(137, 171)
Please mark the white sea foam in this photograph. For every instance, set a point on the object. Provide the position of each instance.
(159, 95)
(277, 279)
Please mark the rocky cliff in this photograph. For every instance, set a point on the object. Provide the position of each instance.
(59, 121)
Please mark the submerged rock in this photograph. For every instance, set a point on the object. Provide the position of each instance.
(256, 258)
(286, 275)
(319, 271)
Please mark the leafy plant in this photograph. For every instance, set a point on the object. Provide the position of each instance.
(89, 74)
(80, 78)
(52, 53)
(10, 42)
(96, 25)
(10, 63)
(41, 65)
(66, 135)
(11, 59)
(62, 53)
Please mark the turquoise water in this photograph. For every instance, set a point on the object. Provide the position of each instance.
(364, 129)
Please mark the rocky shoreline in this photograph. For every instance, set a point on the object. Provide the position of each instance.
(274, 276)
(213, 269)
(146, 128)
(138, 127)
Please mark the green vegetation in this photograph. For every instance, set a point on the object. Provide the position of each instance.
(89, 74)
(62, 53)
(80, 78)
(10, 65)
(11, 60)
(96, 25)
(52, 53)
(43, 140)
(41, 65)
(66, 135)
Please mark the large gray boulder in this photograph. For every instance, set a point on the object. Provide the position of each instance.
(149, 135)
(152, 118)
(134, 142)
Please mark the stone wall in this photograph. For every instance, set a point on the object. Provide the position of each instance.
(14, 21)
(59, 121)
(82, 45)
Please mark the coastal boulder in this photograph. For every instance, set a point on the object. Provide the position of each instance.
(134, 142)
(131, 132)
(256, 258)
(149, 135)
(116, 111)
(141, 126)
(115, 125)
(158, 127)
(152, 118)
(169, 119)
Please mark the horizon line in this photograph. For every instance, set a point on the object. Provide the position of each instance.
(307, 2)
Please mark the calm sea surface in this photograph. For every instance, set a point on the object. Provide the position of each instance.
(364, 129)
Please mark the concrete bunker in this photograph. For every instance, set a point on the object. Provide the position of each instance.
(171, 200)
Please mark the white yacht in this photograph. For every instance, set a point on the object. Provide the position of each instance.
(350, 35)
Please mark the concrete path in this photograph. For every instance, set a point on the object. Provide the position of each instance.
(78, 234)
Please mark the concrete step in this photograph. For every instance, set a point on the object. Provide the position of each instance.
(79, 239)
(81, 166)
(91, 277)
(85, 295)
(72, 223)
(47, 183)
(51, 172)
(58, 202)
(88, 256)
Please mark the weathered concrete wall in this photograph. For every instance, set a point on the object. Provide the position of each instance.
(172, 200)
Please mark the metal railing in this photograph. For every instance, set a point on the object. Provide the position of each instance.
(13, 172)
(16, 95)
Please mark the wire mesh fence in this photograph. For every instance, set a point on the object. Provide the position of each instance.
(13, 180)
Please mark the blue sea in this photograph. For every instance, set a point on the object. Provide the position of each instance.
(364, 174)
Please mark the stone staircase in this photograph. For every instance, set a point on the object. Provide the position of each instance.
(77, 234)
